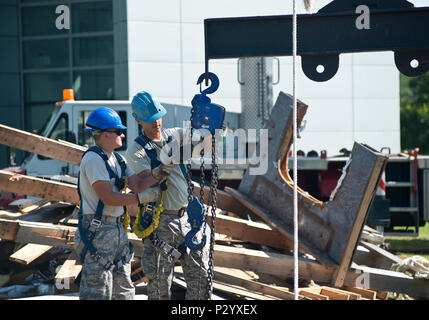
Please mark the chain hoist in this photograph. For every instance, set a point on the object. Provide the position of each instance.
(209, 116)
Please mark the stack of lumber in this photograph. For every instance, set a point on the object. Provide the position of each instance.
(253, 256)
(252, 260)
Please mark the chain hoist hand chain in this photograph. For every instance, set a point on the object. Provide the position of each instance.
(213, 199)
(189, 167)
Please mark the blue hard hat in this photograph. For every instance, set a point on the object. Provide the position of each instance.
(104, 118)
(147, 107)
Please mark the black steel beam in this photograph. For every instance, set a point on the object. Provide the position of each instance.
(323, 36)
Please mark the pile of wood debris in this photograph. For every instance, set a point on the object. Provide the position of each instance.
(252, 260)
(339, 256)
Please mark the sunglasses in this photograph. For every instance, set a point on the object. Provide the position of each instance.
(118, 132)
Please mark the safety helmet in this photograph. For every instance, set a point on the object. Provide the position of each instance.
(147, 107)
(104, 118)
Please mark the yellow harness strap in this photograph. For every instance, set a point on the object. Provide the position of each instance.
(155, 220)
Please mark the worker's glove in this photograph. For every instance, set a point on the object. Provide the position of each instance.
(149, 195)
(162, 171)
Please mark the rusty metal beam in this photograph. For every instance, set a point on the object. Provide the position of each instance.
(330, 230)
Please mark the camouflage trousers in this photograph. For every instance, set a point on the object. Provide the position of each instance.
(158, 266)
(97, 283)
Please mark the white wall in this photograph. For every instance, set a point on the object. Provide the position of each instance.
(166, 57)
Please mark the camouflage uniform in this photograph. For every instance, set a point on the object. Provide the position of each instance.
(158, 267)
(106, 284)
(156, 264)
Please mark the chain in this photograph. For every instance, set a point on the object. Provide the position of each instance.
(189, 167)
(213, 199)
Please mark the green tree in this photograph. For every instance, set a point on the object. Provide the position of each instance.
(415, 113)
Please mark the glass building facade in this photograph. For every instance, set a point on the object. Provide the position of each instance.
(55, 57)
(47, 46)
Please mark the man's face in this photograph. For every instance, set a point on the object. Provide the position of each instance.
(153, 129)
(114, 137)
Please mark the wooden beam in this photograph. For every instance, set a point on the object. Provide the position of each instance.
(270, 263)
(47, 234)
(386, 280)
(29, 252)
(313, 295)
(276, 224)
(365, 293)
(70, 270)
(240, 278)
(229, 288)
(224, 200)
(36, 187)
(250, 231)
(59, 150)
(336, 294)
(332, 227)
(393, 259)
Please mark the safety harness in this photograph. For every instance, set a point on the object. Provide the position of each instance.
(87, 235)
(147, 219)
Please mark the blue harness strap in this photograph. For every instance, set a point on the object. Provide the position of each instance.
(87, 235)
(148, 146)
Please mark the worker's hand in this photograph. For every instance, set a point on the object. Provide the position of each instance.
(149, 195)
(162, 171)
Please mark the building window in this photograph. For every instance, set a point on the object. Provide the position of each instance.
(46, 53)
(80, 58)
(40, 21)
(93, 51)
(93, 84)
(92, 17)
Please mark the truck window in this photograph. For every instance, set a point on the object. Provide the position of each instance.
(85, 138)
(60, 131)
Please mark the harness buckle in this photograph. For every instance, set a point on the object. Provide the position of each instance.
(95, 223)
(181, 212)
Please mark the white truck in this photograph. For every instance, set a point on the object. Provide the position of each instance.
(67, 123)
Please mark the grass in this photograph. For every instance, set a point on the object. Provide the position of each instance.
(410, 246)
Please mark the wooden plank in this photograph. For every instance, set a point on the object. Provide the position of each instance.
(393, 259)
(29, 252)
(224, 200)
(386, 280)
(365, 293)
(250, 231)
(312, 294)
(70, 270)
(276, 224)
(382, 295)
(236, 290)
(8, 229)
(372, 237)
(334, 294)
(270, 263)
(63, 151)
(359, 222)
(240, 278)
(37, 187)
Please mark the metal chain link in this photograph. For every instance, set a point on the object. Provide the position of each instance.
(189, 166)
(213, 200)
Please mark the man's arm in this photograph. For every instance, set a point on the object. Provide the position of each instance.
(111, 198)
(141, 181)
